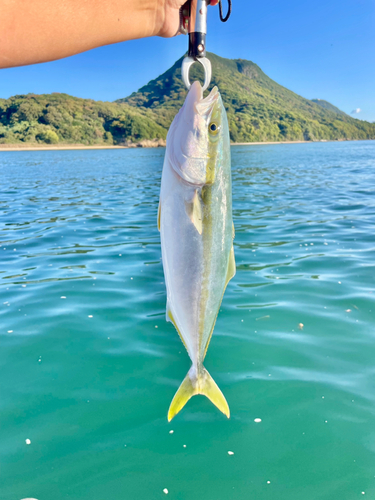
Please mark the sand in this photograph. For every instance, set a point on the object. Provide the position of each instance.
(62, 147)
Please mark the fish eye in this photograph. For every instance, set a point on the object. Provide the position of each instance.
(213, 128)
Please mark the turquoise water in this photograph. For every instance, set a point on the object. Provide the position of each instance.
(88, 365)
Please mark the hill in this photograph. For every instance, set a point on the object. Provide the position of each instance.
(258, 109)
(327, 105)
(60, 118)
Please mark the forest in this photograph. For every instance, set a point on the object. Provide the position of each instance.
(258, 110)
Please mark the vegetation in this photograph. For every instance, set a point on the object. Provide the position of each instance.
(60, 118)
(258, 110)
(329, 106)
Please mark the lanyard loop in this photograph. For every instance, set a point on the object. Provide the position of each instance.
(225, 19)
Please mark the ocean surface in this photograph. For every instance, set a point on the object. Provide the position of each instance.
(89, 366)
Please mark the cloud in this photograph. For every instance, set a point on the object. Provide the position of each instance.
(355, 111)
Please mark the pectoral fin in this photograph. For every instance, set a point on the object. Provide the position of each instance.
(194, 211)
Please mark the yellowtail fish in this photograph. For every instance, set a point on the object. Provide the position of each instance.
(196, 230)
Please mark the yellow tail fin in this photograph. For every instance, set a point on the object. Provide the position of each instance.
(201, 383)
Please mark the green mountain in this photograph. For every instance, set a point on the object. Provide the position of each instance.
(258, 110)
(327, 105)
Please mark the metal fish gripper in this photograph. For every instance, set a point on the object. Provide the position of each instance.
(193, 22)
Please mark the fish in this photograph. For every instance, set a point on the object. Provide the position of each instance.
(196, 233)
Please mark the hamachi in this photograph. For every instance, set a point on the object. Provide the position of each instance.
(196, 230)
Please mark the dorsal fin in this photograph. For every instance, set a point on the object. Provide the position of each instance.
(231, 271)
(231, 267)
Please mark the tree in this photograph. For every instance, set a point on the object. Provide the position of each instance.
(48, 136)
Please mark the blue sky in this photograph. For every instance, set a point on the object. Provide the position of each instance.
(321, 49)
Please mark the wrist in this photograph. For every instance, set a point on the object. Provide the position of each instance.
(159, 12)
(145, 19)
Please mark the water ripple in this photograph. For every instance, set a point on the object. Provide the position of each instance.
(88, 363)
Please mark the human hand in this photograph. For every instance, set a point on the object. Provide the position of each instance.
(45, 30)
(170, 16)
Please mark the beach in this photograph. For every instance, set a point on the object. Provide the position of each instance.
(142, 144)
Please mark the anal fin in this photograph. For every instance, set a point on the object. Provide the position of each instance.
(169, 317)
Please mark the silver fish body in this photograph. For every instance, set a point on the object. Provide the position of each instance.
(196, 229)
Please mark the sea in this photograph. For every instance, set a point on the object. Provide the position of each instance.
(89, 365)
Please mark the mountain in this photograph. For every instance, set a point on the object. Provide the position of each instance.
(327, 105)
(258, 109)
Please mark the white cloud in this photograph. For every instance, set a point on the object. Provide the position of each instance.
(355, 111)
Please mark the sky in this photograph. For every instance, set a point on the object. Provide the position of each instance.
(318, 49)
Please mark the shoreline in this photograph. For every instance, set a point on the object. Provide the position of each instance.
(62, 147)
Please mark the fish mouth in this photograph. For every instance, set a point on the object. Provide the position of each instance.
(204, 106)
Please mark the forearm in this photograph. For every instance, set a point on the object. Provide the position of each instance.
(33, 31)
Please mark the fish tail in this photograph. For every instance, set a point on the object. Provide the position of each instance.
(198, 383)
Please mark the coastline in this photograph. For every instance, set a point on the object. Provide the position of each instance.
(62, 147)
